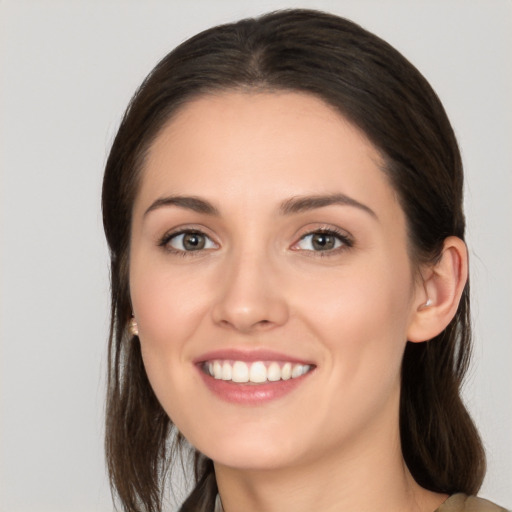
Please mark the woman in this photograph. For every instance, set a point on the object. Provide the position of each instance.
(283, 206)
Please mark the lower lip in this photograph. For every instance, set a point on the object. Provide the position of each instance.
(251, 394)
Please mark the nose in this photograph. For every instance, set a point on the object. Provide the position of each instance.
(250, 298)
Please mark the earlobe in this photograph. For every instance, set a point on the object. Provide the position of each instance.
(443, 284)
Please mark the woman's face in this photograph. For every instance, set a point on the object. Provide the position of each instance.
(266, 243)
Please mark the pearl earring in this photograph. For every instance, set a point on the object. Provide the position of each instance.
(133, 327)
(428, 303)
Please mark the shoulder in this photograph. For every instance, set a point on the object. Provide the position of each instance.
(464, 503)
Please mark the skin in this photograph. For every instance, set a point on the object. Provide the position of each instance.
(333, 443)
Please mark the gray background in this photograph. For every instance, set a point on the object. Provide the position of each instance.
(67, 71)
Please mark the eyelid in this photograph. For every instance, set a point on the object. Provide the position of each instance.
(183, 230)
(346, 239)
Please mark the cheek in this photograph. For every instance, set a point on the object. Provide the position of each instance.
(167, 304)
(361, 314)
(369, 296)
(360, 318)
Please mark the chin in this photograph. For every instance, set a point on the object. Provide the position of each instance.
(249, 449)
(251, 458)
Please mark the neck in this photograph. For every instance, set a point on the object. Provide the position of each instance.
(368, 475)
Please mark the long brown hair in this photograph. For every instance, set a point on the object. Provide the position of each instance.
(378, 90)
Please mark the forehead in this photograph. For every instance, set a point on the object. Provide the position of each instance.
(255, 146)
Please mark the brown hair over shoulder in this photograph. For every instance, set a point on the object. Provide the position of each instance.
(379, 91)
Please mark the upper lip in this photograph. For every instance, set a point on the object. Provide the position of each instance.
(249, 355)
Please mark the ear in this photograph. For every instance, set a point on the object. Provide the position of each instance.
(442, 285)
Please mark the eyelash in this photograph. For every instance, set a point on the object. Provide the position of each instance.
(343, 237)
(166, 239)
(346, 242)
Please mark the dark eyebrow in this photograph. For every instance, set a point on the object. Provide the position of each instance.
(189, 202)
(305, 203)
(293, 205)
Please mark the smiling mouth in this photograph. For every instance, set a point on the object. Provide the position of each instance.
(256, 372)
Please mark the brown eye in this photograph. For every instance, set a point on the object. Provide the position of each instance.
(190, 241)
(321, 241)
(193, 241)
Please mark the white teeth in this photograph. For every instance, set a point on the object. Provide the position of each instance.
(227, 372)
(274, 372)
(240, 372)
(256, 372)
(286, 371)
(297, 371)
(217, 370)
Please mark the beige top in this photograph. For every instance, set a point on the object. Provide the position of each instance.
(455, 503)
(463, 503)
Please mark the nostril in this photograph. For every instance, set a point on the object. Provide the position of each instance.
(262, 324)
